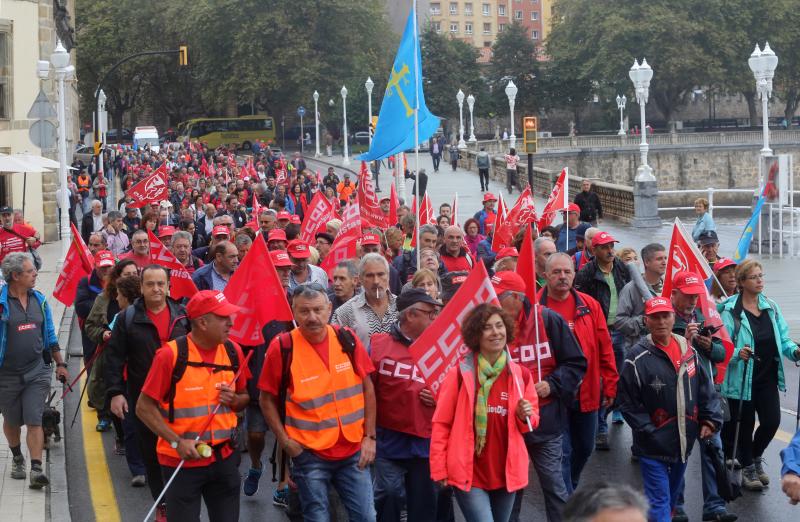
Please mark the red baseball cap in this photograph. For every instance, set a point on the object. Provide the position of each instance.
(370, 239)
(508, 281)
(283, 214)
(655, 305)
(209, 302)
(573, 208)
(507, 252)
(276, 234)
(723, 262)
(166, 231)
(489, 197)
(603, 238)
(298, 249)
(280, 258)
(220, 230)
(104, 258)
(385, 198)
(295, 219)
(688, 283)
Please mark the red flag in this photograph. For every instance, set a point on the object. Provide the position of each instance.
(440, 346)
(256, 287)
(426, 216)
(371, 212)
(394, 203)
(78, 264)
(319, 212)
(212, 168)
(346, 242)
(558, 200)
(204, 167)
(526, 266)
(251, 169)
(152, 189)
(523, 213)
(319, 178)
(180, 281)
(502, 208)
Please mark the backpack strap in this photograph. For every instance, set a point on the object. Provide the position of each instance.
(286, 344)
(129, 312)
(178, 370)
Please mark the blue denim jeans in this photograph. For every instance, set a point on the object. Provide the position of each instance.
(577, 444)
(662, 483)
(393, 478)
(618, 344)
(712, 502)
(480, 505)
(313, 475)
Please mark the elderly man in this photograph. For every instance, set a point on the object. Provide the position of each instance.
(141, 249)
(374, 309)
(92, 221)
(218, 233)
(276, 239)
(345, 283)
(243, 244)
(544, 247)
(27, 348)
(266, 221)
(215, 275)
(206, 223)
(181, 247)
(589, 203)
(97, 242)
(630, 306)
(506, 260)
(454, 255)
(132, 221)
(708, 242)
(116, 238)
(15, 237)
(302, 271)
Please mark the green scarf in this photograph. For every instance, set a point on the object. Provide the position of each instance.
(487, 374)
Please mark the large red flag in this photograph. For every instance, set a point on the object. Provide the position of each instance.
(319, 212)
(78, 264)
(441, 346)
(180, 281)
(394, 204)
(371, 212)
(523, 213)
(526, 265)
(502, 208)
(204, 168)
(345, 246)
(558, 200)
(152, 189)
(256, 288)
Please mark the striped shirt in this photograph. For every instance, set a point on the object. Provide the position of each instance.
(359, 315)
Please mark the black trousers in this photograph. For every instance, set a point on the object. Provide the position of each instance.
(217, 484)
(483, 174)
(147, 447)
(765, 402)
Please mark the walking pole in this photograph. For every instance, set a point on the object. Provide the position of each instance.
(797, 408)
(85, 368)
(536, 348)
(519, 389)
(205, 427)
(78, 407)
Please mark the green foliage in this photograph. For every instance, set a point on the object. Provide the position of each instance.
(514, 58)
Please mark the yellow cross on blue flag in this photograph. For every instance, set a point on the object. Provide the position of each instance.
(395, 130)
(747, 234)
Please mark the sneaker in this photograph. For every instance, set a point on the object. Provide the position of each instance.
(281, 497)
(38, 479)
(119, 447)
(750, 479)
(616, 418)
(139, 481)
(758, 463)
(18, 468)
(601, 442)
(251, 482)
(679, 515)
(103, 425)
(161, 513)
(720, 516)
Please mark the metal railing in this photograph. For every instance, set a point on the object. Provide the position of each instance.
(709, 192)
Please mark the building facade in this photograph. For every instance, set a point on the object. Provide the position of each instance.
(28, 33)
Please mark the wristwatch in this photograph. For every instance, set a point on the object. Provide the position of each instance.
(174, 443)
(61, 365)
(373, 437)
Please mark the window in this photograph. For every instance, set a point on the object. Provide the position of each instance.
(436, 9)
(5, 72)
(468, 9)
(468, 28)
(501, 28)
(453, 27)
(453, 8)
(437, 26)
(534, 35)
(487, 28)
(534, 15)
(517, 15)
(486, 9)
(501, 10)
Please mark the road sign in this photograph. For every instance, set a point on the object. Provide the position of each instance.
(301, 111)
(41, 108)
(43, 134)
(530, 127)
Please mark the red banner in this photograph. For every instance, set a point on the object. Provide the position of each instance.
(152, 189)
(319, 212)
(394, 204)
(78, 264)
(371, 212)
(502, 208)
(440, 346)
(180, 281)
(523, 213)
(345, 246)
(526, 266)
(558, 200)
(256, 287)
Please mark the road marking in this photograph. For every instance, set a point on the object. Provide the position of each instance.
(101, 487)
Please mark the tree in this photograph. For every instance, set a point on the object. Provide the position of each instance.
(514, 59)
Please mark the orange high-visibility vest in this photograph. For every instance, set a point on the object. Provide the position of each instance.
(196, 396)
(84, 182)
(323, 400)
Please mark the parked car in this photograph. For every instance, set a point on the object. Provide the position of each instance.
(361, 137)
(83, 153)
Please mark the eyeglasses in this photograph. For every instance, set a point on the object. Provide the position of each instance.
(432, 314)
(310, 288)
(755, 277)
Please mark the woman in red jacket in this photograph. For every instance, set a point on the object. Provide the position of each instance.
(486, 403)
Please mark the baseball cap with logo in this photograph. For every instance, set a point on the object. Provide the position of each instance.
(723, 262)
(295, 219)
(220, 230)
(708, 237)
(507, 252)
(166, 231)
(603, 238)
(370, 239)
(489, 197)
(104, 258)
(688, 283)
(655, 305)
(283, 214)
(276, 234)
(298, 249)
(508, 282)
(210, 302)
(280, 258)
(572, 208)
(6, 210)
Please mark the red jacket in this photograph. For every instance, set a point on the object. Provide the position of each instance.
(453, 438)
(592, 334)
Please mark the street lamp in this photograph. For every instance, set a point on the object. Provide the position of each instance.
(369, 84)
(346, 158)
(621, 101)
(511, 92)
(316, 124)
(763, 64)
(471, 104)
(59, 61)
(460, 99)
(641, 76)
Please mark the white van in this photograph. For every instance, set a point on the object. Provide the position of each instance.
(143, 136)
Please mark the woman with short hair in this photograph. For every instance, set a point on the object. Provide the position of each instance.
(705, 222)
(472, 235)
(428, 280)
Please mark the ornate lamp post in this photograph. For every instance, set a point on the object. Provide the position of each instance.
(763, 64)
(369, 84)
(645, 189)
(316, 124)
(460, 99)
(346, 158)
(471, 104)
(621, 101)
(511, 92)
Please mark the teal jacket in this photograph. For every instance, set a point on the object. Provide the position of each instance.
(733, 376)
(49, 337)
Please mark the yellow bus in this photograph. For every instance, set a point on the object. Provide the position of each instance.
(242, 131)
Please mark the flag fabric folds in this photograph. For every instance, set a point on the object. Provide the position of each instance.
(371, 212)
(522, 213)
(558, 200)
(180, 281)
(78, 264)
(152, 189)
(526, 266)
(743, 247)
(319, 212)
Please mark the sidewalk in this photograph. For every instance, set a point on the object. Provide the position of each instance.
(17, 501)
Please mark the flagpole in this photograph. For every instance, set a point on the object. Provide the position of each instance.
(417, 85)
(566, 208)
(519, 388)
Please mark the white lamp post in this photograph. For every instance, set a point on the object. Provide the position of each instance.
(641, 76)
(316, 124)
(460, 99)
(511, 92)
(471, 104)
(59, 61)
(763, 64)
(369, 84)
(621, 101)
(346, 158)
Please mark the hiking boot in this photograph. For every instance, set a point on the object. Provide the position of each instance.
(679, 515)
(38, 479)
(18, 468)
(281, 497)
(251, 482)
(103, 425)
(601, 442)
(758, 463)
(139, 481)
(720, 516)
(750, 479)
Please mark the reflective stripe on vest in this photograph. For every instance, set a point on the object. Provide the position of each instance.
(322, 401)
(196, 396)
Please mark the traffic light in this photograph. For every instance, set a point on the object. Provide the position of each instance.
(373, 124)
(530, 128)
(97, 146)
(183, 55)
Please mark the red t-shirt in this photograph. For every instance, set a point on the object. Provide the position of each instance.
(489, 468)
(15, 241)
(161, 321)
(141, 261)
(270, 381)
(157, 385)
(565, 308)
(673, 351)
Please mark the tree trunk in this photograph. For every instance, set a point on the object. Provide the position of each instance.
(750, 98)
(792, 99)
